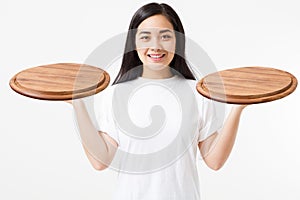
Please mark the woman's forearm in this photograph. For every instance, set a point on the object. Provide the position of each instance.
(220, 145)
(93, 141)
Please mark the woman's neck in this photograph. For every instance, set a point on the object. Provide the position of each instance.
(157, 74)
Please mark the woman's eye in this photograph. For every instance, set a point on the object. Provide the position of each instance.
(145, 38)
(166, 37)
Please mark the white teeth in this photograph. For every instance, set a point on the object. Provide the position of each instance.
(156, 56)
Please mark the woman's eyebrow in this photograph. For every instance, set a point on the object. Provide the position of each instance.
(161, 31)
(144, 32)
(165, 30)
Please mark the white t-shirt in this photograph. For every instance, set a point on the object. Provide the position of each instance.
(158, 124)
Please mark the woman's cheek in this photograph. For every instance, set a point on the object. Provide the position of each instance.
(169, 46)
(142, 54)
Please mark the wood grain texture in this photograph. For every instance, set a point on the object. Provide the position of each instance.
(247, 85)
(61, 81)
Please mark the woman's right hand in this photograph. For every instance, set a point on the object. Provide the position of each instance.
(69, 101)
(75, 102)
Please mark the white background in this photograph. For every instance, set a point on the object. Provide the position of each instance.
(41, 156)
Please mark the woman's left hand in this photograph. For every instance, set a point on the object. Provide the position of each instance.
(240, 106)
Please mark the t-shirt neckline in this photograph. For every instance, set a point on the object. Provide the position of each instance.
(158, 79)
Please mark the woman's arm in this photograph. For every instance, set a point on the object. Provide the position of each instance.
(98, 146)
(217, 148)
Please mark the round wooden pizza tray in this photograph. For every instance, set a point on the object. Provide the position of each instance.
(247, 85)
(61, 81)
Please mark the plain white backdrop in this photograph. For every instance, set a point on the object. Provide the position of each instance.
(41, 155)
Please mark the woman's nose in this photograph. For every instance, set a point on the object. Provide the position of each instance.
(155, 44)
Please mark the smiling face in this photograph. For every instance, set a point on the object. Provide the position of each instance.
(155, 44)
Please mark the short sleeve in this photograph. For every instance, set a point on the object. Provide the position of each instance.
(210, 122)
(104, 116)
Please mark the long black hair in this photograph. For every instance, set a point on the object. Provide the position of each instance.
(131, 64)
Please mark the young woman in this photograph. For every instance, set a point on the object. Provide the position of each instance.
(154, 163)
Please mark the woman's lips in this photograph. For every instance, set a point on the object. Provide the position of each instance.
(156, 57)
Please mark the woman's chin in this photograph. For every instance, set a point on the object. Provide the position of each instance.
(157, 66)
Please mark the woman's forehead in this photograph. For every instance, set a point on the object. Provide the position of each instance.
(156, 22)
